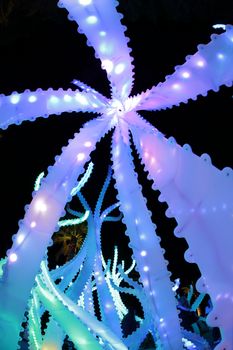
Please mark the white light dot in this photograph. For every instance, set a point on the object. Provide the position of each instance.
(143, 253)
(15, 99)
(67, 98)
(220, 56)
(108, 306)
(200, 63)
(33, 224)
(186, 75)
(81, 99)
(146, 154)
(102, 33)
(107, 65)
(142, 236)
(80, 156)
(54, 99)
(13, 257)
(40, 206)
(20, 238)
(145, 268)
(92, 19)
(119, 68)
(85, 2)
(176, 86)
(161, 320)
(32, 98)
(88, 144)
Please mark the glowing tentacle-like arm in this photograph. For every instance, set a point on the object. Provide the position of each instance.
(18, 107)
(100, 22)
(37, 227)
(146, 249)
(79, 318)
(200, 197)
(207, 70)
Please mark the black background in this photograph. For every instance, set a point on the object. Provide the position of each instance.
(40, 47)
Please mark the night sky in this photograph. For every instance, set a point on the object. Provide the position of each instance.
(40, 47)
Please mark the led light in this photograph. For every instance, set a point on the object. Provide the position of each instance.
(40, 206)
(33, 224)
(200, 63)
(220, 56)
(13, 257)
(81, 99)
(92, 20)
(20, 238)
(32, 99)
(176, 86)
(119, 68)
(107, 65)
(67, 98)
(142, 236)
(88, 144)
(146, 268)
(85, 2)
(54, 99)
(14, 99)
(108, 306)
(102, 33)
(80, 156)
(143, 253)
(185, 75)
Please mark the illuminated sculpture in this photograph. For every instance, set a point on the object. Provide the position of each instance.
(198, 195)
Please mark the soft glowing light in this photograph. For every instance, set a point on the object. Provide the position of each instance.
(142, 236)
(106, 48)
(120, 67)
(146, 268)
(176, 86)
(185, 75)
(15, 99)
(108, 306)
(107, 65)
(80, 156)
(200, 63)
(102, 33)
(143, 253)
(92, 19)
(67, 98)
(85, 2)
(88, 144)
(33, 224)
(220, 56)
(40, 206)
(81, 99)
(32, 99)
(54, 99)
(20, 238)
(13, 257)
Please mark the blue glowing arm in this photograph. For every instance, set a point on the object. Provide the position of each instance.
(100, 22)
(206, 70)
(19, 107)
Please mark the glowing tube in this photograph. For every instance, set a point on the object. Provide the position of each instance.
(199, 196)
(202, 72)
(152, 268)
(52, 197)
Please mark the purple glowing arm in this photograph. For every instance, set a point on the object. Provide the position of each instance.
(38, 225)
(100, 22)
(29, 105)
(200, 198)
(207, 70)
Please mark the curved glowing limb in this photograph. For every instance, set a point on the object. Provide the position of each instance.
(38, 181)
(19, 107)
(34, 324)
(37, 227)
(51, 293)
(145, 245)
(200, 197)
(100, 22)
(84, 87)
(83, 180)
(54, 336)
(207, 70)
(76, 221)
